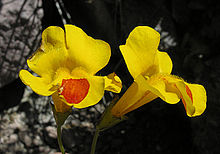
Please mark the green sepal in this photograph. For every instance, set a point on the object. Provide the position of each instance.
(107, 119)
(60, 118)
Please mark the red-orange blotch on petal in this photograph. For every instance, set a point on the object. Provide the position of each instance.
(74, 90)
(189, 93)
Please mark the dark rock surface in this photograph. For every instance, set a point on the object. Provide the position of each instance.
(20, 24)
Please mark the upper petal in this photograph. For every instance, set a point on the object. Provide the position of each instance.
(140, 51)
(92, 54)
(51, 54)
(165, 63)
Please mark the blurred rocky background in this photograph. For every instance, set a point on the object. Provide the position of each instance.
(189, 33)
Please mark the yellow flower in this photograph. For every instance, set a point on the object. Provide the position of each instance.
(66, 63)
(151, 70)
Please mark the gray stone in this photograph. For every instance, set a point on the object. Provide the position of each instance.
(51, 131)
(37, 141)
(26, 138)
(13, 138)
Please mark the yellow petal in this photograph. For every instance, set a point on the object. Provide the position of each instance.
(140, 51)
(37, 84)
(135, 96)
(199, 98)
(170, 88)
(53, 37)
(160, 85)
(113, 83)
(165, 63)
(193, 97)
(92, 54)
(52, 53)
(95, 94)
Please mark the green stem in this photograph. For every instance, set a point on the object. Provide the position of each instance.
(94, 141)
(60, 139)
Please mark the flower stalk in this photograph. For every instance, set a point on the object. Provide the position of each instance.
(94, 141)
(107, 121)
(59, 139)
(60, 118)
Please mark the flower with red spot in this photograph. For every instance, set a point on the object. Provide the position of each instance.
(151, 70)
(66, 64)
